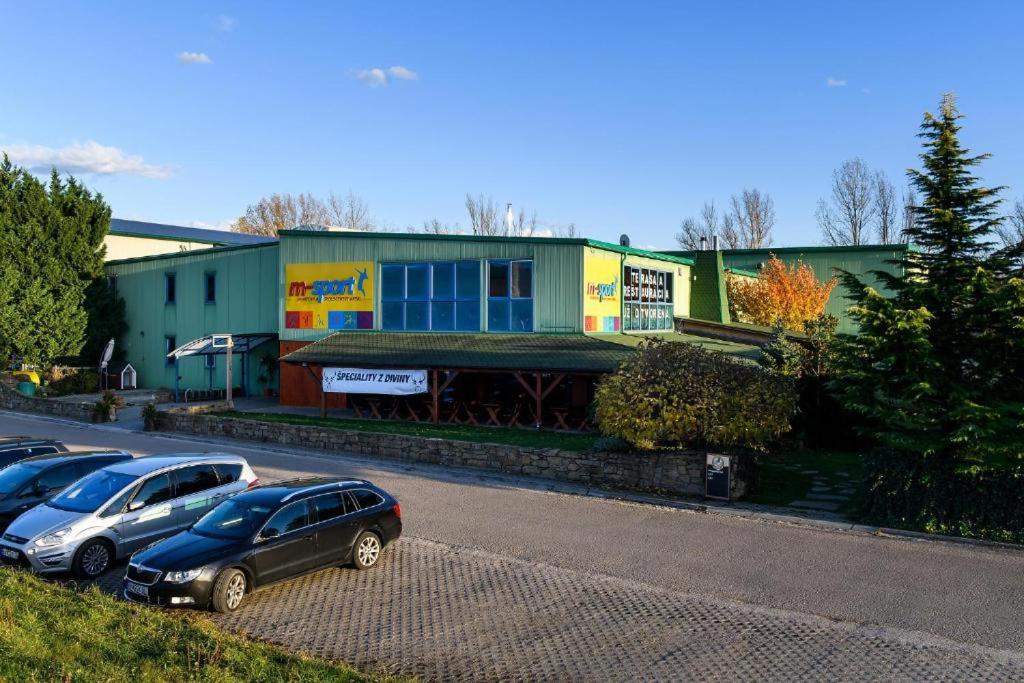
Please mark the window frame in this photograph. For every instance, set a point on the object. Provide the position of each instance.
(208, 277)
(170, 288)
(178, 476)
(170, 343)
(509, 298)
(309, 519)
(429, 298)
(648, 307)
(142, 484)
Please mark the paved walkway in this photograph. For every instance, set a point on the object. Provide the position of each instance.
(444, 613)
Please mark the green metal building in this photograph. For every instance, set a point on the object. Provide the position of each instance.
(826, 262)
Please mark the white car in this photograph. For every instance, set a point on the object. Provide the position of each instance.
(121, 508)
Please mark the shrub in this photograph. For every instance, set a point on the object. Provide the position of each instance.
(791, 294)
(672, 394)
(149, 416)
(107, 403)
(74, 381)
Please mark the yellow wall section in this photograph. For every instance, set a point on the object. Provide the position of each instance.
(602, 291)
(329, 296)
(127, 246)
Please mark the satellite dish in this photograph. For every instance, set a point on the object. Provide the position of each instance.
(623, 240)
(108, 352)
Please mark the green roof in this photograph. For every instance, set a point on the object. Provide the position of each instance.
(524, 352)
(811, 249)
(582, 241)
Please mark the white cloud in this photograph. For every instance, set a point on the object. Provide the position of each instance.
(401, 73)
(226, 24)
(373, 77)
(377, 76)
(87, 157)
(194, 58)
(833, 82)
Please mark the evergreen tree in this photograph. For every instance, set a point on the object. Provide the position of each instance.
(930, 373)
(51, 249)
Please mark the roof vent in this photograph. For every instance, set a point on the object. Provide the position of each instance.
(623, 240)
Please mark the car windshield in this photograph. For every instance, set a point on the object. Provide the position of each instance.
(232, 519)
(14, 477)
(91, 492)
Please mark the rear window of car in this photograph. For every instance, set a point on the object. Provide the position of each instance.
(195, 479)
(229, 472)
(367, 499)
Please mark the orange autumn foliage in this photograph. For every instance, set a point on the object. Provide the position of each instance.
(788, 293)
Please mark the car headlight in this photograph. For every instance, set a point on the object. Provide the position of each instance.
(56, 538)
(183, 576)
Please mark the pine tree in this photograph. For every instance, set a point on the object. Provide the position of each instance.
(929, 371)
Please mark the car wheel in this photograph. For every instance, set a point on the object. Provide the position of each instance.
(366, 551)
(229, 590)
(93, 558)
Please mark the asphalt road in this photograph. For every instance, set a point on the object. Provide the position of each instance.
(966, 594)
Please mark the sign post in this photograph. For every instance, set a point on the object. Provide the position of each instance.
(224, 341)
(717, 477)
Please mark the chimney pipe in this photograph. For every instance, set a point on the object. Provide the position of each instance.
(714, 243)
(703, 243)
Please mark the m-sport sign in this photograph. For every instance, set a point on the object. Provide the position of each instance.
(374, 381)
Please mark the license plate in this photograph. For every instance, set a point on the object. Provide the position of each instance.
(137, 589)
(10, 554)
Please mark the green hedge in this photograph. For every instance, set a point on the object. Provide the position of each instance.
(979, 502)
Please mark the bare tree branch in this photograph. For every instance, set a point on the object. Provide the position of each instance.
(349, 212)
(845, 220)
(693, 231)
(279, 212)
(887, 211)
(483, 216)
(754, 216)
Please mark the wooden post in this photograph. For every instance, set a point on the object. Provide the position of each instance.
(323, 402)
(435, 392)
(540, 399)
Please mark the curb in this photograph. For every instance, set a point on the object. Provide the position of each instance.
(734, 510)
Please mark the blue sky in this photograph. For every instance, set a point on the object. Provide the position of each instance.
(618, 117)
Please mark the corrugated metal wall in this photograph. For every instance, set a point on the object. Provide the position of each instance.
(246, 302)
(824, 262)
(558, 270)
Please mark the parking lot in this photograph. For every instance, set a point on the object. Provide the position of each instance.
(495, 581)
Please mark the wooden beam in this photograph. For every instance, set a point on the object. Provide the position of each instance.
(540, 399)
(554, 383)
(526, 385)
(435, 395)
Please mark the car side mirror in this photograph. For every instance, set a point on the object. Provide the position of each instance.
(136, 505)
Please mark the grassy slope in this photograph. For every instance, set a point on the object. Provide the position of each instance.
(53, 633)
(500, 435)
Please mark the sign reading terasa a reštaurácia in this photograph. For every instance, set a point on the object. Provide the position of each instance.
(374, 381)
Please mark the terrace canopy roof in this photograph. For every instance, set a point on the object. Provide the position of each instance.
(243, 343)
(509, 352)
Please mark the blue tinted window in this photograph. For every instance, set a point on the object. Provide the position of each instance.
(442, 315)
(467, 276)
(417, 315)
(442, 296)
(392, 282)
(417, 282)
(467, 316)
(510, 296)
(392, 315)
(444, 281)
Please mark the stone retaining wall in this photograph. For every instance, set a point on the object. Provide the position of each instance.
(12, 399)
(669, 472)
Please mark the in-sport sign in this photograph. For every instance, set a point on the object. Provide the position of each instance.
(372, 381)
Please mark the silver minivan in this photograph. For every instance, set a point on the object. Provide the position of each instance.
(121, 508)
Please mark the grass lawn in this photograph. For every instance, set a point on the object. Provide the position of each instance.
(787, 477)
(501, 435)
(50, 632)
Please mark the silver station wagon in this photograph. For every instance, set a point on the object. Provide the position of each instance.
(114, 511)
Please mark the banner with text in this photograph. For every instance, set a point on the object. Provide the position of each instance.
(371, 381)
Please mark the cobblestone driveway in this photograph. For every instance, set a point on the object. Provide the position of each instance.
(445, 613)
